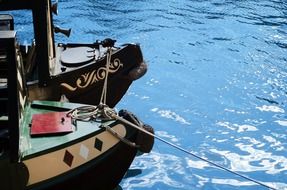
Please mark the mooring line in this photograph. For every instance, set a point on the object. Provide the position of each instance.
(87, 112)
(186, 151)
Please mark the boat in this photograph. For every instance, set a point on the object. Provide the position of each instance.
(72, 72)
(60, 145)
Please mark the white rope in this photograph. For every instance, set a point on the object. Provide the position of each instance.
(105, 86)
(87, 113)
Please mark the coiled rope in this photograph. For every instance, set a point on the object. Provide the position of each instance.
(87, 113)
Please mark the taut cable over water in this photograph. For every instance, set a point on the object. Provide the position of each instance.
(113, 115)
(109, 113)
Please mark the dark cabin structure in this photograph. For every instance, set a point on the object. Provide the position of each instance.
(73, 71)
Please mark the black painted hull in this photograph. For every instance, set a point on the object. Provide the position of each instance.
(85, 84)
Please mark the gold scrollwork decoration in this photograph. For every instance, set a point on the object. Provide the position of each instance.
(91, 78)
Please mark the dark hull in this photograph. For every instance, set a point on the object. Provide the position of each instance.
(91, 157)
(84, 84)
(103, 173)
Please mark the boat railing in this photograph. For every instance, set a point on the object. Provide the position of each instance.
(14, 97)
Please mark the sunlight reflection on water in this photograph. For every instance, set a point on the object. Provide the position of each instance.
(216, 85)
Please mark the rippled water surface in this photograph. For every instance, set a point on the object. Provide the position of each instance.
(216, 85)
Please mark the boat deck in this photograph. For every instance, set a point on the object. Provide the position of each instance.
(31, 145)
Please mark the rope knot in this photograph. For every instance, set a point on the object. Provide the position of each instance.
(88, 113)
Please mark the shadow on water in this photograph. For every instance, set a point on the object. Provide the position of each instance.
(130, 173)
(118, 188)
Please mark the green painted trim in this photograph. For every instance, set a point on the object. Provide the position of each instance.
(35, 146)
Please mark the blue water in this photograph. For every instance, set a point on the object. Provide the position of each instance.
(216, 86)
